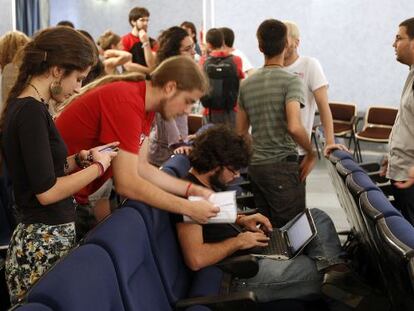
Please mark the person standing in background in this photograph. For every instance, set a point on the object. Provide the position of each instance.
(400, 162)
(138, 43)
(316, 89)
(168, 135)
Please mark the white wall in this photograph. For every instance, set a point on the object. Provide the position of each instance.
(6, 21)
(351, 38)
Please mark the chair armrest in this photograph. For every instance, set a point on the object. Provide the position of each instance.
(240, 301)
(245, 266)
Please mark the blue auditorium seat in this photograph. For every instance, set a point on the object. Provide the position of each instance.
(359, 182)
(83, 280)
(374, 205)
(176, 277)
(338, 155)
(347, 166)
(123, 235)
(179, 164)
(397, 254)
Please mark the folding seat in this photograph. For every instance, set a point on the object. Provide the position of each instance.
(178, 164)
(396, 253)
(124, 236)
(339, 184)
(347, 166)
(374, 205)
(31, 307)
(83, 280)
(338, 155)
(359, 182)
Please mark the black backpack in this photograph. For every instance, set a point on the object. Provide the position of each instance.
(224, 83)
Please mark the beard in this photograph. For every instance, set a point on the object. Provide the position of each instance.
(215, 182)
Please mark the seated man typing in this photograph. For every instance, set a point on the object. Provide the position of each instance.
(216, 158)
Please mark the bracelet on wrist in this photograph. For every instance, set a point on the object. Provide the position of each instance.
(187, 190)
(144, 44)
(78, 161)
(100, 167)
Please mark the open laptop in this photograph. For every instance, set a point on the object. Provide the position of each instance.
(290, 240)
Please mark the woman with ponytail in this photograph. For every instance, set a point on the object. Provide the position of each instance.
(122, 107)
(53, 67)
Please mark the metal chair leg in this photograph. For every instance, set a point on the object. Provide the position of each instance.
(316, 144)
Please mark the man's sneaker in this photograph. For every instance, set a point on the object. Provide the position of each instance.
(349, 289)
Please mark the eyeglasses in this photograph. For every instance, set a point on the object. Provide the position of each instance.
(188, 48)
(233, 171)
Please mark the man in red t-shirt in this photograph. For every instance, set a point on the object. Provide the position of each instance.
(138, 43)
(215, 47)
(123, 111)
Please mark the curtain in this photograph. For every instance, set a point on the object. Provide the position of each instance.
(31, 15)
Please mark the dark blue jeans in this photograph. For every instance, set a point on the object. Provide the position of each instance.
(278, 192)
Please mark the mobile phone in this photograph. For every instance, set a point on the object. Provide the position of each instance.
(109, 148)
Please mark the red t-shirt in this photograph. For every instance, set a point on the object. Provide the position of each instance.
(237, 60)
(133, 45)
(111, 112)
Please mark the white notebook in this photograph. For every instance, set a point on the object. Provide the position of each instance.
(226, 201)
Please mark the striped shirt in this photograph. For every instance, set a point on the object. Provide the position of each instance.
(263, 97)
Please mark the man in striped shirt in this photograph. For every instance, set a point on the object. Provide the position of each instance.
(270, 102)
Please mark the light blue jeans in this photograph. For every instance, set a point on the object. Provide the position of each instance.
(300, 277)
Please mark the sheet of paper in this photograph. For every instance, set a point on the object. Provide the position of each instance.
(226, 201)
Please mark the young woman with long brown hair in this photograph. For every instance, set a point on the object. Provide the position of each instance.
(52, 68)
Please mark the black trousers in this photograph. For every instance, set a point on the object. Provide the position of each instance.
(278, 192)
(404, 201)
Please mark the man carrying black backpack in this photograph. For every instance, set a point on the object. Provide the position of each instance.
(225, 72)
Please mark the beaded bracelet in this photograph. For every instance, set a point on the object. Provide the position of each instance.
(78, 161)
(100, 167)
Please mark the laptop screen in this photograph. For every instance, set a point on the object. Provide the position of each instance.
(299, 232)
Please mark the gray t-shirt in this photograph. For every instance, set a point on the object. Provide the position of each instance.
(401, 156)
(264, 96)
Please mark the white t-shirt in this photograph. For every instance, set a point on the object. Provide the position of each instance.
(310, 71)
(246, 64)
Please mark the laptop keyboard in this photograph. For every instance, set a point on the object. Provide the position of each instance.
(276, 245)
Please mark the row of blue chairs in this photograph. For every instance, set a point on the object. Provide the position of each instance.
(132, 262)
(384, 235)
